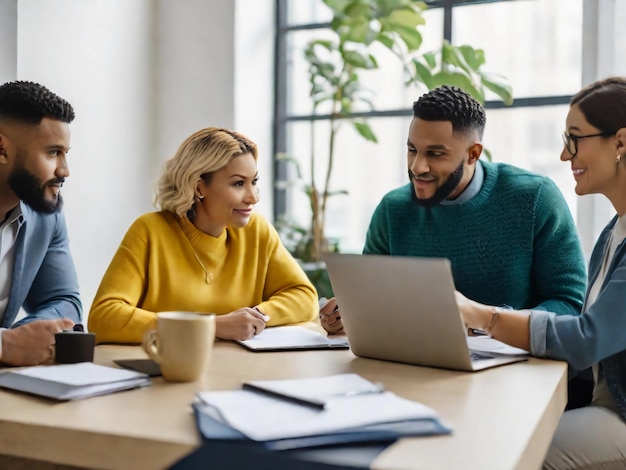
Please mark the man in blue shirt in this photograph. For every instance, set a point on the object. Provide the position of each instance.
(37, 273)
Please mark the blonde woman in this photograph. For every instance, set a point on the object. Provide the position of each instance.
(205, 251)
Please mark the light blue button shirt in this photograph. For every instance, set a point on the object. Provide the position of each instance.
(473, 188)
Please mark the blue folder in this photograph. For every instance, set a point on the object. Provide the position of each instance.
(210, 428)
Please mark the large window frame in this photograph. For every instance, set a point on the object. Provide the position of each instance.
(595, 37)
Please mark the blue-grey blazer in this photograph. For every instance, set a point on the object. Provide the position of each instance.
(44, 281)
(599, 334)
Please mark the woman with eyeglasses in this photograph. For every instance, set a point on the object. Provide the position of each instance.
(593, 436)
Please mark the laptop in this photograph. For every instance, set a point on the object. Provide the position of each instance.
(403, 309)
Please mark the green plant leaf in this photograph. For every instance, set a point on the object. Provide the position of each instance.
(458, 79)
(423, 74)
(499, 86)
(411, 37)
(431, 59)
(360, 10)
(475, 58)
(406, 18)
(451, 55)
(385, 40)
(356, 59)
(338, 5)
(358, 33)
(365, 130)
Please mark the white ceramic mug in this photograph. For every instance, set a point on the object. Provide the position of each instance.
(182, 344)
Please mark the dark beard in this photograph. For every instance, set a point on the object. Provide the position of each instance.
(31, 190)
(442, 192)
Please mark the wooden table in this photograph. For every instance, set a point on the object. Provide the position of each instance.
(502, 418)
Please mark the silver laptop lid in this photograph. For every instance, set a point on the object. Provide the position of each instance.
(400, 309)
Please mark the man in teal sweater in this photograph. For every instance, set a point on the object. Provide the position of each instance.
(508, 233)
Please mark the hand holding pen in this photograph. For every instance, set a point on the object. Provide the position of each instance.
(330, 316)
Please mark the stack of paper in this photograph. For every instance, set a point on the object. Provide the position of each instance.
(486, 344)
(72, 381)
(292, 338)
(352, 410)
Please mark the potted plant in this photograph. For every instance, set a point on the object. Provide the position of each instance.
(335, 67)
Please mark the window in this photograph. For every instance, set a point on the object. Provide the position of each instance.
(536, 44)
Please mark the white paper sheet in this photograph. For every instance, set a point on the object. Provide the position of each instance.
(490, 345)
(291, 337)
(263, 418)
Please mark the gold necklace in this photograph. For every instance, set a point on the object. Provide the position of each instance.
(208, 277)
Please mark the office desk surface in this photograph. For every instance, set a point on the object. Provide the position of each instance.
(502, 418)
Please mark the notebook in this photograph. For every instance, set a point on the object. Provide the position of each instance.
(291, 338)
(403, 309)
(72, 381)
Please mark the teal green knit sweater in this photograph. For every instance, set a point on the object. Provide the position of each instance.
(514, 243)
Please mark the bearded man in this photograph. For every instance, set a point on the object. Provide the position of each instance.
(37, 273)
(508, 233)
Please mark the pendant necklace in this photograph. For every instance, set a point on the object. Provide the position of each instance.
(208, 277)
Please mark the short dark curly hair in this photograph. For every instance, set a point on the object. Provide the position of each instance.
(30, 102)
(449, 103)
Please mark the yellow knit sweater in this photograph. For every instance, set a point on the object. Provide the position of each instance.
(158, 267)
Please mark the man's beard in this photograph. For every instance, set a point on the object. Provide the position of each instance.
(443, 191)
(32, 191)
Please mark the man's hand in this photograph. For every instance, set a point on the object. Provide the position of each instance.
(32, 343)
(241, 324)
(330, 317)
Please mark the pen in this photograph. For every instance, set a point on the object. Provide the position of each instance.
(312, 403)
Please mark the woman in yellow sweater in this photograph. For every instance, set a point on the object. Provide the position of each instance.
(205, 251)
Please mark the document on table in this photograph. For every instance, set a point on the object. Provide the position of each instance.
(72, 381)
(368, 414)
(286, 338)
(493, 346)
(317, 391)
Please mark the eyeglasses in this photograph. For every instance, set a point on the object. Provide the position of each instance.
(571, 140)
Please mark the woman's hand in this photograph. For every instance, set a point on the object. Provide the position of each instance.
(472, 312)
(330, 317)
(241, 324)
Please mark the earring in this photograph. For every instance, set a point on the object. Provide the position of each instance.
(200, 197)
(618, 158)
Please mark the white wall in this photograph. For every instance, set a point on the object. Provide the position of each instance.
(254, 85)
(142, 75)
(604, 49)
(8, 40)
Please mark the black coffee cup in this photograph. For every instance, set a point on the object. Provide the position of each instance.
(74, 346)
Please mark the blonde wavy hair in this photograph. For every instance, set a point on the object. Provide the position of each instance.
(198, 157)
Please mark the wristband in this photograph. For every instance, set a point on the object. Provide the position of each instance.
(494, 318)
(1, 330)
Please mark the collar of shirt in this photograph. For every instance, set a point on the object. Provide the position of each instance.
(15, 215)
(473, 188)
